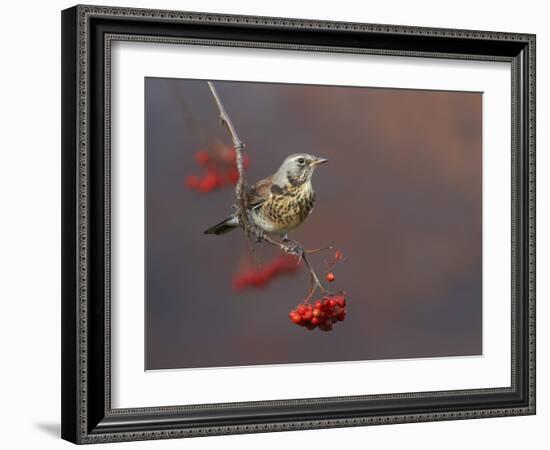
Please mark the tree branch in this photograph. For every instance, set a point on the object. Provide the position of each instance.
(240, 188)
(290, 247)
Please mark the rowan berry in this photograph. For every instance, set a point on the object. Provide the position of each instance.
(202, 157)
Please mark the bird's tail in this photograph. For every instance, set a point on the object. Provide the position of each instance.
(223, 227)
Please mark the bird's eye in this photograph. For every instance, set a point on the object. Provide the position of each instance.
(301, 161)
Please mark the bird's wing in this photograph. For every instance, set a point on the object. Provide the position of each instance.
(259, 192)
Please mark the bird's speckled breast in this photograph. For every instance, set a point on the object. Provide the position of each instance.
(285, 211)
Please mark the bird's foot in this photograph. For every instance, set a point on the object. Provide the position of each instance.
(259, 234)
(292, 247)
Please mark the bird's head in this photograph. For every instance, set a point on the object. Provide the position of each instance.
(297, 169)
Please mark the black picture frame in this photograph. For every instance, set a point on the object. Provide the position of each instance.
(87, 416)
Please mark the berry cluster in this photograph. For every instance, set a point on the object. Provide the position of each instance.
(324, 313)
(220, 170)
(259, 277)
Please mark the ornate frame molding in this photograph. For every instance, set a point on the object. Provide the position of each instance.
(87, 422)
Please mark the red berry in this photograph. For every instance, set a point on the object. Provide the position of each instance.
(330, 277)
(295, 317)
(229, 155)
(232, 175)
(338, 255)
(204, 186)
(259, 279)
(323, 313)
(213, 177)
(254, 277)
(202, 157)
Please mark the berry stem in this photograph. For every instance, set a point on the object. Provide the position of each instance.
(320, 249)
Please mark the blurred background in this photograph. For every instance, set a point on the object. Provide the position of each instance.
(400, 196)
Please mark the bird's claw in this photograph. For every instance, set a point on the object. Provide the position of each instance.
(293, 248)
(259, 234)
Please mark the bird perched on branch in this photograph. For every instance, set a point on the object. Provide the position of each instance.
(281, 202)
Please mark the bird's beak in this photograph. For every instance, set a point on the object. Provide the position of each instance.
(319, 161)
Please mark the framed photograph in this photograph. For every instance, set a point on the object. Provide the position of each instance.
(283, 224)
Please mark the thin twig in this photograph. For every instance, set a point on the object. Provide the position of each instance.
(240, 188)
(224, 117)
(320, 249)
(313, 274)
(296, 249)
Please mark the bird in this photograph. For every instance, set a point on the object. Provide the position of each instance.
(281, 202)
